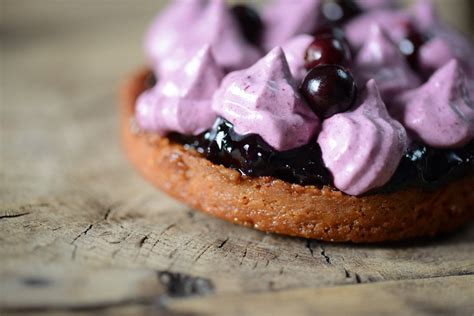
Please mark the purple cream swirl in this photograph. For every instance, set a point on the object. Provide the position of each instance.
(178, 33)
(264, 100)
(166, 38)
(392, 22)
(363, 147)
(220, 29)
(181, 102)
(440, 113)
(284, 19)
(380, 59)
(433, 55)
(424, 14)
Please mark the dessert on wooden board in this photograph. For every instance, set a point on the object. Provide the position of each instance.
(335, 120)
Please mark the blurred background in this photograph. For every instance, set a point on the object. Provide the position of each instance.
(458, 13)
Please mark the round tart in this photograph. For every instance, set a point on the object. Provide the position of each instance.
(341, 121)
(273, 205)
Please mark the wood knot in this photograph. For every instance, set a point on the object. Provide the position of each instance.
(182, 285)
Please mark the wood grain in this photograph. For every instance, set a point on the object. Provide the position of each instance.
(81, 233)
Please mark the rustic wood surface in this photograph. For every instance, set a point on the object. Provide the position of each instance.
(82, 233)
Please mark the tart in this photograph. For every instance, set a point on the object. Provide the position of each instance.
(307, 130)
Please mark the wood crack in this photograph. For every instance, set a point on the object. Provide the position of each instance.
(323, 253)
(107, 214)
(244, 255)
(354, 275)
(202, 253)
(152, 247)
(14, 215)
(223, 243)
(142, 241)
(310, 247)
(83, 233)
(73, 242)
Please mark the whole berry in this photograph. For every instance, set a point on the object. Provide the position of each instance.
(329, 89)
(327, 50)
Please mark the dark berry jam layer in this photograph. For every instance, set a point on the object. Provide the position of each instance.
(431, 167)
(252, 156)
(249, 154)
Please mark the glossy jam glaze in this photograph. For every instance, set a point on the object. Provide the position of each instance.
(252, 156)
(421, 166)
(431, 167)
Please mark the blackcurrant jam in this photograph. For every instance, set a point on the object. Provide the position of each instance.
(421, 166)
(252, 156)
(431, 167)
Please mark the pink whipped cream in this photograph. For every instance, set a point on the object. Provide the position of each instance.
(380, 59)
(363, 147)
(181, 102)
(430, 62)
(166, 38)
(284, 19)
(424, 14)
(440, 113)
(264, 100)
(392, 22)
(177, 34)
(295, 51)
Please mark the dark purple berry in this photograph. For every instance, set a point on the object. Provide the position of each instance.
(340, 10)
(327, 50)
(410, 44)
(249, 21)
(329, 89)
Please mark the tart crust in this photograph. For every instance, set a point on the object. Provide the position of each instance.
(276, 206)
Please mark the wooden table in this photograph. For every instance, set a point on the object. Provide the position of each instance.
(82, 233)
